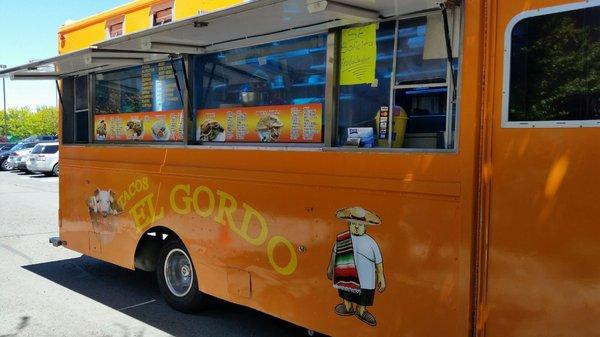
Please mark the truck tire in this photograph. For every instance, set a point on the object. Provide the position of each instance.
(177, 279)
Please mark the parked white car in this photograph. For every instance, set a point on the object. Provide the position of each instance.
(43, 158)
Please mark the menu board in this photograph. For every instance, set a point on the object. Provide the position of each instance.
(149, 87)
(144, 126)
(267, 124)
(159, 89)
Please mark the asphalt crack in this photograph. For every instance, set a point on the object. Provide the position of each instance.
(17, 252)
(26, 234)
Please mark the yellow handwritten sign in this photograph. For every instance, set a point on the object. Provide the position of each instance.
(358, 55)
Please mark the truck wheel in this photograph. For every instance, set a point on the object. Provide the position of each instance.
(177, 279)
(55, 170)
(5, 166)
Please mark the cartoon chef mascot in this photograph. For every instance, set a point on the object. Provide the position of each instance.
(356, 265)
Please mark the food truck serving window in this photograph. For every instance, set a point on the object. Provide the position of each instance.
(555, 69)
(140, 103)
(422, 90)
(359, 102)
(271, 93)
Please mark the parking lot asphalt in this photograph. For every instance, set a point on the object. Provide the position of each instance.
(47, 291)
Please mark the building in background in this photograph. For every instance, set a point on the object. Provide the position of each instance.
(130, 18)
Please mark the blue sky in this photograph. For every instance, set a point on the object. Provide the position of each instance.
(28, 31)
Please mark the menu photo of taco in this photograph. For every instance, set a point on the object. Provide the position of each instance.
(160, 131)
(210, 131)
(134, 129)
(101, 130)
(269, 128)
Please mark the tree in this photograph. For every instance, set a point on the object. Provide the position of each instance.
(23, 122)
(555, 68)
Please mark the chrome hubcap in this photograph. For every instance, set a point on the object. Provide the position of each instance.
(178, 271)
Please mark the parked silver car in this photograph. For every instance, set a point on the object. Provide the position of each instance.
(18, 159)
(44, 159)
(15, 153)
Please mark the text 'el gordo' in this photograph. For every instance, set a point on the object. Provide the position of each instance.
(183, 201)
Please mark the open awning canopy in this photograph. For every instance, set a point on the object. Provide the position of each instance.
(261, 21)
(79, 62)
(251, 23)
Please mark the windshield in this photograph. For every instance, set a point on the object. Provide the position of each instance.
(16, 147)
(49, 149)
(37, 149)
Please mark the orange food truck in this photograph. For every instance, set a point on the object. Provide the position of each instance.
(358, 168)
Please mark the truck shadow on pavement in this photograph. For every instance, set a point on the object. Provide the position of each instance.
(136, 294)
(41, 176)
(33, 175)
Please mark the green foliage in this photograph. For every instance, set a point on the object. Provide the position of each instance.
(555, 69)
(23, 122)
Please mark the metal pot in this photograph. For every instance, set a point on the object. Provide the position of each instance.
(252, 98)
(248, 98)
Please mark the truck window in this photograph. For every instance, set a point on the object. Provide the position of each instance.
(82, 130)
(358, 103)
(554, 69)
(139, 104)
(424, 106)
(271, 93)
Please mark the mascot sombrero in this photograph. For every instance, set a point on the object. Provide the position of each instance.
(356, 265)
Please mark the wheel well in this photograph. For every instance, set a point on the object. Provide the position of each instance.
(149, 246)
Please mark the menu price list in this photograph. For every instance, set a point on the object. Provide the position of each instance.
(284, 123)
(143, 126)
(159, 90)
